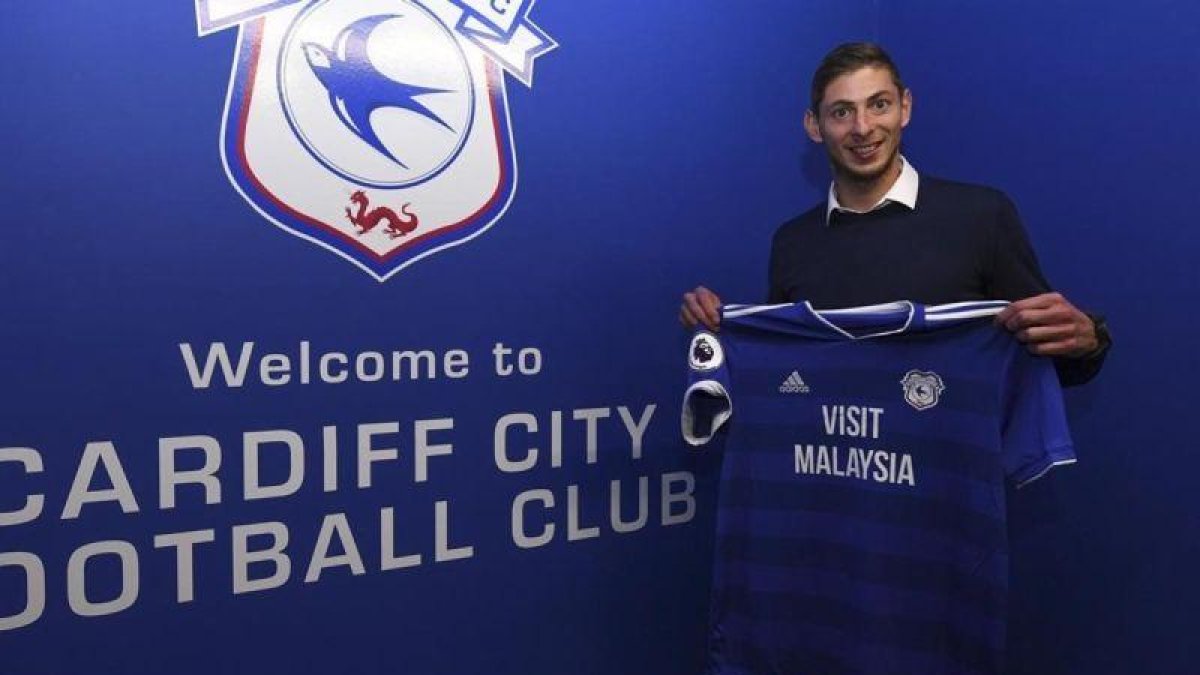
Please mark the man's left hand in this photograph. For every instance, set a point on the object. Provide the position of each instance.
(1049, 325)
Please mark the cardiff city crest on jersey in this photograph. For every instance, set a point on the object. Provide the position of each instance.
(922, 389)
(376, 129)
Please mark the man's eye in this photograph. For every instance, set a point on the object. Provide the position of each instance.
(881, 104)
(841, 113)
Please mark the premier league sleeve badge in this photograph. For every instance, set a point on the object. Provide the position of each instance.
(376, 129)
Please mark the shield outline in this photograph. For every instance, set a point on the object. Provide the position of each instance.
(914, 378)
(243, 76)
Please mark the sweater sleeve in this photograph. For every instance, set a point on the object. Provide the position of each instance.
(1014, 274)
(1014, 271)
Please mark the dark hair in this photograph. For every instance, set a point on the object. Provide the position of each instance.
(847, 58)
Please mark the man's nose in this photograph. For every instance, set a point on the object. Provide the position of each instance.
(862, 123)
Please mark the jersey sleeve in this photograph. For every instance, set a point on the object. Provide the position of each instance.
(706, 402)
(1034, 437)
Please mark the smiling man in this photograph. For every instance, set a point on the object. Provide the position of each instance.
(887, 233)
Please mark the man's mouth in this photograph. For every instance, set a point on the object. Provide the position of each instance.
(866, 151)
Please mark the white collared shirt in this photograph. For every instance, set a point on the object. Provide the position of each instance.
(904, 191)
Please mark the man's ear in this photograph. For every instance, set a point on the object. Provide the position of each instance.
(906, 107)
(811, 127)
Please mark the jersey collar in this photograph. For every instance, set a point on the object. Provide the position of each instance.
(858, 323)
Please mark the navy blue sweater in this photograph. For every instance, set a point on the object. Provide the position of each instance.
(962, 242)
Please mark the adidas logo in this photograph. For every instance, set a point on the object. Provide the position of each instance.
(793, 385)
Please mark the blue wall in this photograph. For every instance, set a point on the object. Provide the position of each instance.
(1082, 112)
(657, 149)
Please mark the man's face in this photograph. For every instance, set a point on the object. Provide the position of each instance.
(861, 116)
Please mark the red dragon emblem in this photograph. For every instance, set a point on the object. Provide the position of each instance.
(366, 220)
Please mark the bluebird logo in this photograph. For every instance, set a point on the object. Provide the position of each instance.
(345, 114)
(386, 101)
(356, 86)
(922, 389)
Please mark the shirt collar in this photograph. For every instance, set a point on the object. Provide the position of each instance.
(903, 191)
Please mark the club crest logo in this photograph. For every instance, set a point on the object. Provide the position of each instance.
(376, 129)
(921, 389)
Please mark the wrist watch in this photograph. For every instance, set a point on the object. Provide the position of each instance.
(1103, 337)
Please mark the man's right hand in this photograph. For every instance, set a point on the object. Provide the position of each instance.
(700, 306)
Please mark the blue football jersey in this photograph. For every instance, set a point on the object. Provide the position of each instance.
(861, 516)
